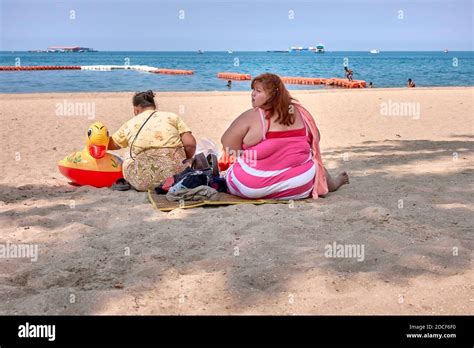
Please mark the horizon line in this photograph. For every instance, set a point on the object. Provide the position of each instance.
(27, 51)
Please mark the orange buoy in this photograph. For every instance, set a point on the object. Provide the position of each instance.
(302, 80)
(173, 72)
(344, 83)
(234, 76)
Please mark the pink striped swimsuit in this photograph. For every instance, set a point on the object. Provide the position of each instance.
(278, 167)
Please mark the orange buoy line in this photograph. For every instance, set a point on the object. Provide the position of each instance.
(173, 72)
(29, 68)
(98, 67)
(323, 81)
(222, 75)
(233, 76)
(346, 83)
(303, 80)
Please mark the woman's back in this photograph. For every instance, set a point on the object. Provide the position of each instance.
(254, 135)
(159, 144)
(162, 130)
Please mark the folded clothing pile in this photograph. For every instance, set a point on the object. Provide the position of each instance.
(199, 193)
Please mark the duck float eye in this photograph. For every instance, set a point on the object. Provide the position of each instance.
(89, 132)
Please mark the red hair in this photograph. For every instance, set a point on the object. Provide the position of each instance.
(279, 99)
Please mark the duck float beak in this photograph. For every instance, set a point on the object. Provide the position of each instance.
(97, 151)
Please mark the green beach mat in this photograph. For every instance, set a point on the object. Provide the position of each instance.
(161, 203)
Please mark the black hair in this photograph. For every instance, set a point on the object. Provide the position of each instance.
(144, 99)
(409, 79)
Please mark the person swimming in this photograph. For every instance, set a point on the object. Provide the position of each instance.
(279, 154)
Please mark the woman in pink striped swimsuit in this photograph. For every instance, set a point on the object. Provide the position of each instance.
(273, 143)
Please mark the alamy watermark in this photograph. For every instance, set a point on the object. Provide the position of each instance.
(69, 108)
(335, 250)
(37, 331)
(249, 157)
(11, 250)
(392, 108)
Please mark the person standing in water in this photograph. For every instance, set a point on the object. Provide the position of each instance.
(411, 83)
(348, 73)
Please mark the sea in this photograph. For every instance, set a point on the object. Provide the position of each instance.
(385, 69)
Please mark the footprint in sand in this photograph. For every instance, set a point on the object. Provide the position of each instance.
(376, 215)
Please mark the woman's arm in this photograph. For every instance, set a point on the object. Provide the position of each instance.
(234, 135)
(189, 143)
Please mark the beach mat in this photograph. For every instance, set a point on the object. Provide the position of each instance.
(161, 203)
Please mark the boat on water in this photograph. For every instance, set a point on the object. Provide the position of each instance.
(375, 51)
(64, 49)
(200, 51)
(319, 48)
(445, 50)
(230, 51)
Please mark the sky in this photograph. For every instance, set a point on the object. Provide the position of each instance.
(241, 25)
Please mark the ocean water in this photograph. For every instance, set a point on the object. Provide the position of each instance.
(387, 69)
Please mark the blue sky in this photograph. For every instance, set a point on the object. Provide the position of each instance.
(250, 25)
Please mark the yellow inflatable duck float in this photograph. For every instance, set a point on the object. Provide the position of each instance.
(93, 165)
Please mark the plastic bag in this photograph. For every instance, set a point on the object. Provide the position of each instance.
(207, 146)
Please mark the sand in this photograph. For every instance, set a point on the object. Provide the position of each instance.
(409, 205)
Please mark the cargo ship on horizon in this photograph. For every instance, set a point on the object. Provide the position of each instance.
(64, 49)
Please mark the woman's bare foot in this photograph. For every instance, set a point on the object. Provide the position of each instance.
(335, 182)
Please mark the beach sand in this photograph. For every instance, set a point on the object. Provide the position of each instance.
(409, 204)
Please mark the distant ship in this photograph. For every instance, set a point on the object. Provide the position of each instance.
(230, 51)
(445, 50)
(374, 51)
(318, 49)
(200, 51)
(64, 49)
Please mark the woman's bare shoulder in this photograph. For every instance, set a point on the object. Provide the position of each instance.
(248, 115)
(250, 112)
